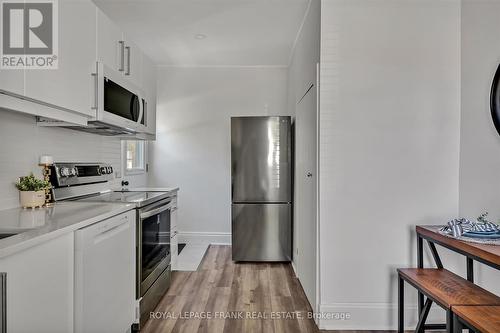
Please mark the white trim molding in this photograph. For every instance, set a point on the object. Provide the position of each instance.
(54, 113)
(294, 269)
(216, 238)
(371, 316)
(280, 66)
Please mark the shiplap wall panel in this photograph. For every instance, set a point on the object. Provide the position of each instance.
(389, 147)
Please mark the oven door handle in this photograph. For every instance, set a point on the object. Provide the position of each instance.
(149, 213)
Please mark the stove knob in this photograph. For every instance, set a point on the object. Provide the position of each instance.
(102, 170)
(110, 170)
(72, 172)
(64, 172)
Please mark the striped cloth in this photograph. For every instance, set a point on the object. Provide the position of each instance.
(458, 227)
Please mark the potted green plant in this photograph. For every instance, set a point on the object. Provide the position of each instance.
(32, 191)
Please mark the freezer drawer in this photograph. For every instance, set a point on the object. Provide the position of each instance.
(261, 232)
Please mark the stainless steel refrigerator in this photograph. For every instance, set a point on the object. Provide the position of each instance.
(261, 188)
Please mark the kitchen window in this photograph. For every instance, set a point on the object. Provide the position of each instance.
(134, 157)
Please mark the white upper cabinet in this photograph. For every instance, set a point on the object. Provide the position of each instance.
(12, 81)
(68, 94)
(110, 43)
(71, 86)
(149, 88)
(133, 62)
(117, 51)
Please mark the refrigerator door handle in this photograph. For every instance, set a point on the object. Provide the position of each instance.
(261, 203)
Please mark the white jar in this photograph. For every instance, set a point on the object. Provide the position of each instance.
(32, 199)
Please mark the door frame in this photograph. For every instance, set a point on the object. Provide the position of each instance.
(318, 271)
(316, 84)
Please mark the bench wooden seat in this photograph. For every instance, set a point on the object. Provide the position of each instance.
(485, 319)
(447, 288)
(444, 288)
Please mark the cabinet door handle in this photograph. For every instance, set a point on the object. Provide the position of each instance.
(96, 92)
(122, 55)
(3, 302)
(128, 60)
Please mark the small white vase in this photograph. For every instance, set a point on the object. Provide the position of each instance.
(32, 199)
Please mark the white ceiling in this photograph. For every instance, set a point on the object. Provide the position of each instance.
(239, 32)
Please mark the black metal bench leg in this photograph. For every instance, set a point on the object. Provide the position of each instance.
(423, 316)
(420, 303)
(449, 321)
(435, 255)
(420, 264)
(458, 327)
(470, 270)
(401, 305)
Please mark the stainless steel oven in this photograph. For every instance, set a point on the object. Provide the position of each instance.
(153, 254)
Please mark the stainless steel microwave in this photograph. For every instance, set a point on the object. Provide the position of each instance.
(118, 102)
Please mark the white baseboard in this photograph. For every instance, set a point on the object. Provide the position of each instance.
(216, 238)
(294, 268)
(371, 316)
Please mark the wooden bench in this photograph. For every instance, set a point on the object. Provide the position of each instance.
(444, 288)
(485, 319)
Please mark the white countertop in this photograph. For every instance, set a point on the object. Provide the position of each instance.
(40, 225)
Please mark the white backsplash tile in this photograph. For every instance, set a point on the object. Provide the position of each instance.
(22, 143)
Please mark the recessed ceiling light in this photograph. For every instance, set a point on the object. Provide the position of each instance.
(200, 36)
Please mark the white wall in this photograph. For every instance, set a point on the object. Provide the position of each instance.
(192, 149)
(389, 146)
(480, 143)
(22, 143)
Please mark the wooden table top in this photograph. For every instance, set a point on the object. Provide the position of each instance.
(485, 253)
(484, 318)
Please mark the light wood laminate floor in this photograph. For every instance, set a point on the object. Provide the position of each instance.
(221, 288)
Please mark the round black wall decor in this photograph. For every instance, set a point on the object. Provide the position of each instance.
(495, 100)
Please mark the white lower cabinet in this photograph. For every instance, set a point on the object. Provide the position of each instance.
(40, 287)
(83, 281)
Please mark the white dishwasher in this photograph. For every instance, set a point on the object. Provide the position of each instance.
(105, 275)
